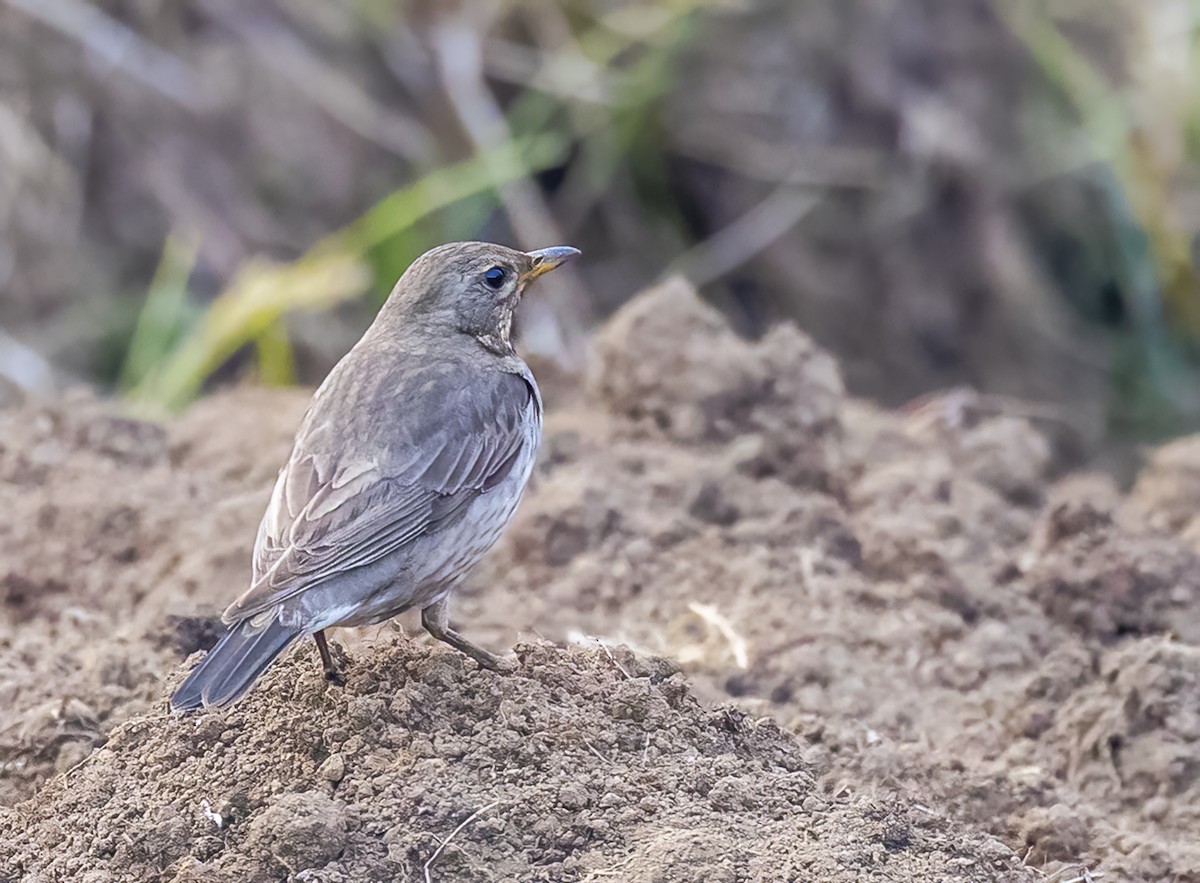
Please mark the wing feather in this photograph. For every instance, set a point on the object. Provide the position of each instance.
(332, 511)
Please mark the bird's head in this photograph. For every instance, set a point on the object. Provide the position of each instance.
(473, 287)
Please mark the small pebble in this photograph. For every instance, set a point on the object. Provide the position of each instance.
(333, 769)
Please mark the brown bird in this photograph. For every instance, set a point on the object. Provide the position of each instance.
(407, 467)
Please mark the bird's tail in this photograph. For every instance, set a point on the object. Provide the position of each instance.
(234, 664)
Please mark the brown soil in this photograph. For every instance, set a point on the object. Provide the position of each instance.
(904, 647)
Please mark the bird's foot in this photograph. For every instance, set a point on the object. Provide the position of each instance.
(436, 619)
(332, 674)
(335, 677)
(504, 665)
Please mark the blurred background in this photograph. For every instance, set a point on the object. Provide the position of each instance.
(993, 193)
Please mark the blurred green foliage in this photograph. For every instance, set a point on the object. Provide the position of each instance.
(1139, 128)
(176, 347)
(623, 67)
(844, 163)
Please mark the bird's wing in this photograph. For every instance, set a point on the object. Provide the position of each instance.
(330, 514)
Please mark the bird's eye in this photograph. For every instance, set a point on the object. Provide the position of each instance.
(495, 277)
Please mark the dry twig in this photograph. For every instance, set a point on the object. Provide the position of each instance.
(734, 245)
(472, 817)
(458, 53)
(119, 46)
(714, 618)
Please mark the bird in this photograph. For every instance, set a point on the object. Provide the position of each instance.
(405, 470)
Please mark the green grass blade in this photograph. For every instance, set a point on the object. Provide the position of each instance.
(164, 314)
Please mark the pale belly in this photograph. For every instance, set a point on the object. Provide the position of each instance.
(466, 542)
(441, 560)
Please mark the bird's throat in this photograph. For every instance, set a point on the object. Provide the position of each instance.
(499, 339)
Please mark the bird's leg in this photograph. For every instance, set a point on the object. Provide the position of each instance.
(331, 672)
(436, 619)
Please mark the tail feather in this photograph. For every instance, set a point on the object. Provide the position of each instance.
(233, 665)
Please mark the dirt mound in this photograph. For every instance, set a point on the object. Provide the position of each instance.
(969, 652)
(669, 361)
(1167, 493)
(577, 767)
(1110, 582)
(116, 534)
(1131, 735)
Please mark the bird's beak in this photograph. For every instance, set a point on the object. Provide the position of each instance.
(544, 260)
